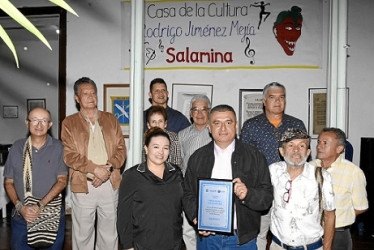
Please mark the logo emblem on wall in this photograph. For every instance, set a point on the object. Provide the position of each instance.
(121, 109)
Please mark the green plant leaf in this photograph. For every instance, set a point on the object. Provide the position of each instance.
(9, 43)
(14, 13)
(64, 5)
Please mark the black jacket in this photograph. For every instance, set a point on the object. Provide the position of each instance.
(150, 208)
(250, 166)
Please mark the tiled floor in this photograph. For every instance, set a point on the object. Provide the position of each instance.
(359, 243)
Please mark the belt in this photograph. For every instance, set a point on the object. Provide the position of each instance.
(342, 229)
(311, 246)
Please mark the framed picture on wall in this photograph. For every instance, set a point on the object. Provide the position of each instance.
(10, 111)
(250, 104)
(317, 111)
(117, 102)
(33, 103)
(183, 93)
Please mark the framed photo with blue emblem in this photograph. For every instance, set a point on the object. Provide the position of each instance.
(215, 205)
(117, 102)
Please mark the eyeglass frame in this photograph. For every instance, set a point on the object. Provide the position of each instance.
(197, 109)
(288, 191)
(36, 121)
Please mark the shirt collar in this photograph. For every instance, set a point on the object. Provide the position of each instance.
(230, 148)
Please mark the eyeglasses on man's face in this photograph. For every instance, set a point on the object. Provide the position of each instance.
(35, 121)
(287, 194)
(197, 109)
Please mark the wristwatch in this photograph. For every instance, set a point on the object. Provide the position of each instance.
(40, 205)
(111, 169)
(18, 205)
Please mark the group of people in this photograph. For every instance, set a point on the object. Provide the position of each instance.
(306, 205)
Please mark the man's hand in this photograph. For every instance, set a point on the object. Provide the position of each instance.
(102, 172)
(96, 182)
(203, 233)
(240, 189)
(29, 213)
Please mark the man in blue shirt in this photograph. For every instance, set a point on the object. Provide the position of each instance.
(159, 95)
(264, 131)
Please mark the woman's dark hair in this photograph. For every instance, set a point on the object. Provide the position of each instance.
(154, 132)
(156, 110)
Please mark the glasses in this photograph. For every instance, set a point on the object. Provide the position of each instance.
(36, 121)
(202, 109)
(287, 194)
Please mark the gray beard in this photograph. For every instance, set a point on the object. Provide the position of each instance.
(295, 164)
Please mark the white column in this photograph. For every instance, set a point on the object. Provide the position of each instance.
(337, 80)
(136, 84)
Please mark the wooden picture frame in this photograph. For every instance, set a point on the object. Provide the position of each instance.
(117, 102)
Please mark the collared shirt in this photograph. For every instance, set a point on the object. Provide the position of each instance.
(222, 168)
(297, 222)
(191, 139)
(350, 190)
(47, 164)
(260, 133)
(96, 151)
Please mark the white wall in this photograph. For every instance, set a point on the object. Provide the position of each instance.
(360, 72)
(94, 50)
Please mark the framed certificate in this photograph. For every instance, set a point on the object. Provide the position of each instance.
(215, 205)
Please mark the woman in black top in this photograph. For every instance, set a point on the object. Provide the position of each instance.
(150, 199)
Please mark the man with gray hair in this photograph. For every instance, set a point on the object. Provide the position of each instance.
(264, 131)
(191, 139)
(94, 150)
(301, 193)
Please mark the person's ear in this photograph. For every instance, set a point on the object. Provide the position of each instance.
(166, 124)
(339, 149)
(148, 125)
(145, 149)
(76, 98)
(150, 95)
(50, 124)
(308, 152)
(281, 151)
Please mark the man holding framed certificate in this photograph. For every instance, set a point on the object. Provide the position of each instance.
(211, 202)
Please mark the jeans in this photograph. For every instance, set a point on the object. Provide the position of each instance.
(18, 238)
(223, 242)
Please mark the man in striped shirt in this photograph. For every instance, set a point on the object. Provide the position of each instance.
(191, 139)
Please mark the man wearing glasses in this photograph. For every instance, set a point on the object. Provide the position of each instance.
(299, 198)
(40, 154)
(191, 139)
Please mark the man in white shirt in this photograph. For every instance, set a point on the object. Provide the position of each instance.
(228, 158)
(299, 198)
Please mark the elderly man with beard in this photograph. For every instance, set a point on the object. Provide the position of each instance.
(299, 198)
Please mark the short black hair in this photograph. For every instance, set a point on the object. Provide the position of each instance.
(222, 108)
(157, 80)
(83, 80)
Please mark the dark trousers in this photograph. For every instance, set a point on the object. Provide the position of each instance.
(342, 240)
(18, 238)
